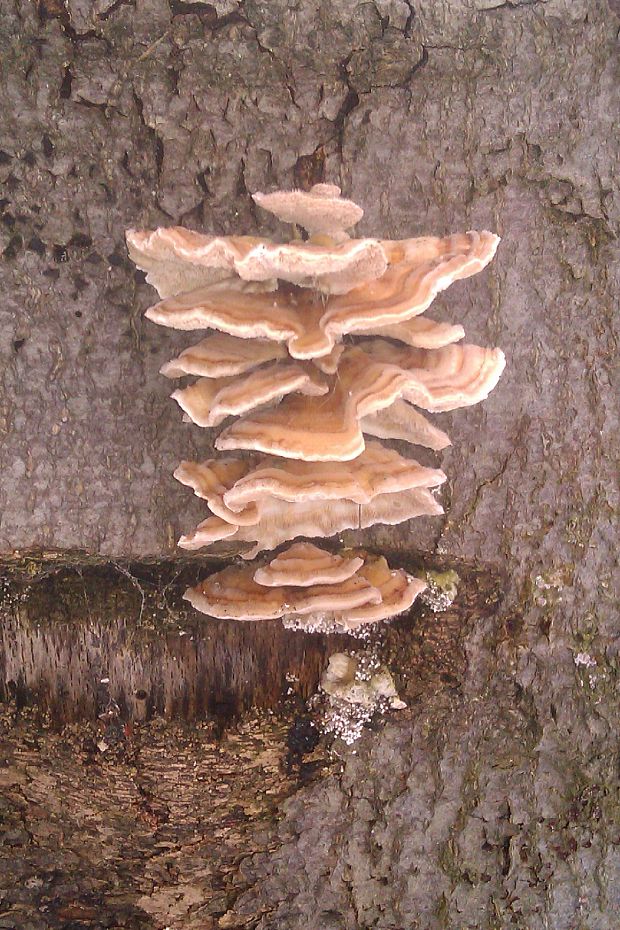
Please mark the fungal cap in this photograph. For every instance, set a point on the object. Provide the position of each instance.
(366, 590)
(234, 594)
(404, 422)
(446, 378)
(419, 331)
(210, 400)
(178, 260)
(321, 210)
(304, 564)
(281, 521)
(311, 326)
(371, 378)
(377, 470)
(220, 356)
(398, 592)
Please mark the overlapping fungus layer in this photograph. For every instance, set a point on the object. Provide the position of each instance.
(294, 405)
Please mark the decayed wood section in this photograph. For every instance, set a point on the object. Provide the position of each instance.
(143, 835)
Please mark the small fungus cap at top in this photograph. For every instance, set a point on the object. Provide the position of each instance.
(320, 211)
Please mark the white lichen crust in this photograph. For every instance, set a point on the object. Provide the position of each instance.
(357, 688)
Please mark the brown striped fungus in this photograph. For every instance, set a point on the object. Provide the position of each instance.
(315, 353)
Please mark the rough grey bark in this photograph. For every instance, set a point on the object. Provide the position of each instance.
(491, 805)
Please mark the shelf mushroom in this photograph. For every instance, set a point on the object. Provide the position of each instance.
(316, 354)
(310, 588)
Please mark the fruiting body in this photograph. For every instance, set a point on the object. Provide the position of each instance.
(304, 402)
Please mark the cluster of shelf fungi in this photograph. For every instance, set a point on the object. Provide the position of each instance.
(317, 350)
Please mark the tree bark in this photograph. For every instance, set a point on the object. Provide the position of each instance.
(493, 801)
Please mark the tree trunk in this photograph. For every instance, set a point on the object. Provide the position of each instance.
(492, 801)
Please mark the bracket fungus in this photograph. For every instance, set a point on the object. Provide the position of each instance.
(269, 501)
(310, 589)
(313, 345)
